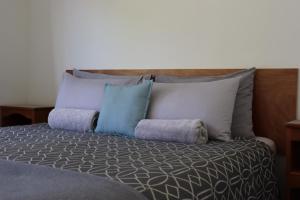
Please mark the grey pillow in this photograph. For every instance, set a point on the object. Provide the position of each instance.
(88, 75)
(212, 102)
(242, 125)
(80, 93)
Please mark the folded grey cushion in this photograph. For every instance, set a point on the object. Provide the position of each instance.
(73, 119)
(185, 131)
(242, 125)
(88, 75)
(212, 102)
(32, 182)
(80, 93)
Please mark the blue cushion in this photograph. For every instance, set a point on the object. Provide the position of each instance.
(123, 108)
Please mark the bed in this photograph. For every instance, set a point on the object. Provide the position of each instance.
(241, 169)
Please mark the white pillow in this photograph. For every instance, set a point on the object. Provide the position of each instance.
(80, 93)
(212, 102)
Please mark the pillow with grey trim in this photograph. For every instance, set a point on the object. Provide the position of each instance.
(212, 102)
(80, 93)
(242, 124)
(89, 75)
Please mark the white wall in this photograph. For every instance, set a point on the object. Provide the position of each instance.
(43, 64)
(14, 47)
(157, 33)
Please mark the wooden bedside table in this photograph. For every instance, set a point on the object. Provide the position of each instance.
(293, 160)
(23, 115)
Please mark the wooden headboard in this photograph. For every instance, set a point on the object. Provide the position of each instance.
(275, 96)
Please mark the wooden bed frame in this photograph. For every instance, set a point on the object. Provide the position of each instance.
(275, 96)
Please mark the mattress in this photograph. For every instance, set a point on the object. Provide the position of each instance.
(241, 169)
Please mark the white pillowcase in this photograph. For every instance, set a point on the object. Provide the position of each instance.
(80, 93)
(212, 102)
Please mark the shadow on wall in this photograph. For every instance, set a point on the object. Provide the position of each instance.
(14, 33)
(43, 82)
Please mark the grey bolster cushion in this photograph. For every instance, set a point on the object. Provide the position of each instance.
(184, 131)
(73, 119)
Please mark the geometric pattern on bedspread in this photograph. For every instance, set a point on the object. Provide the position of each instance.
(243, 169)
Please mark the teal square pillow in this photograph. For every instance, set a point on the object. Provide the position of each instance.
(123, 107)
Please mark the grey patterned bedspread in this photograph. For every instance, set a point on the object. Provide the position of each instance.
(242, 169)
